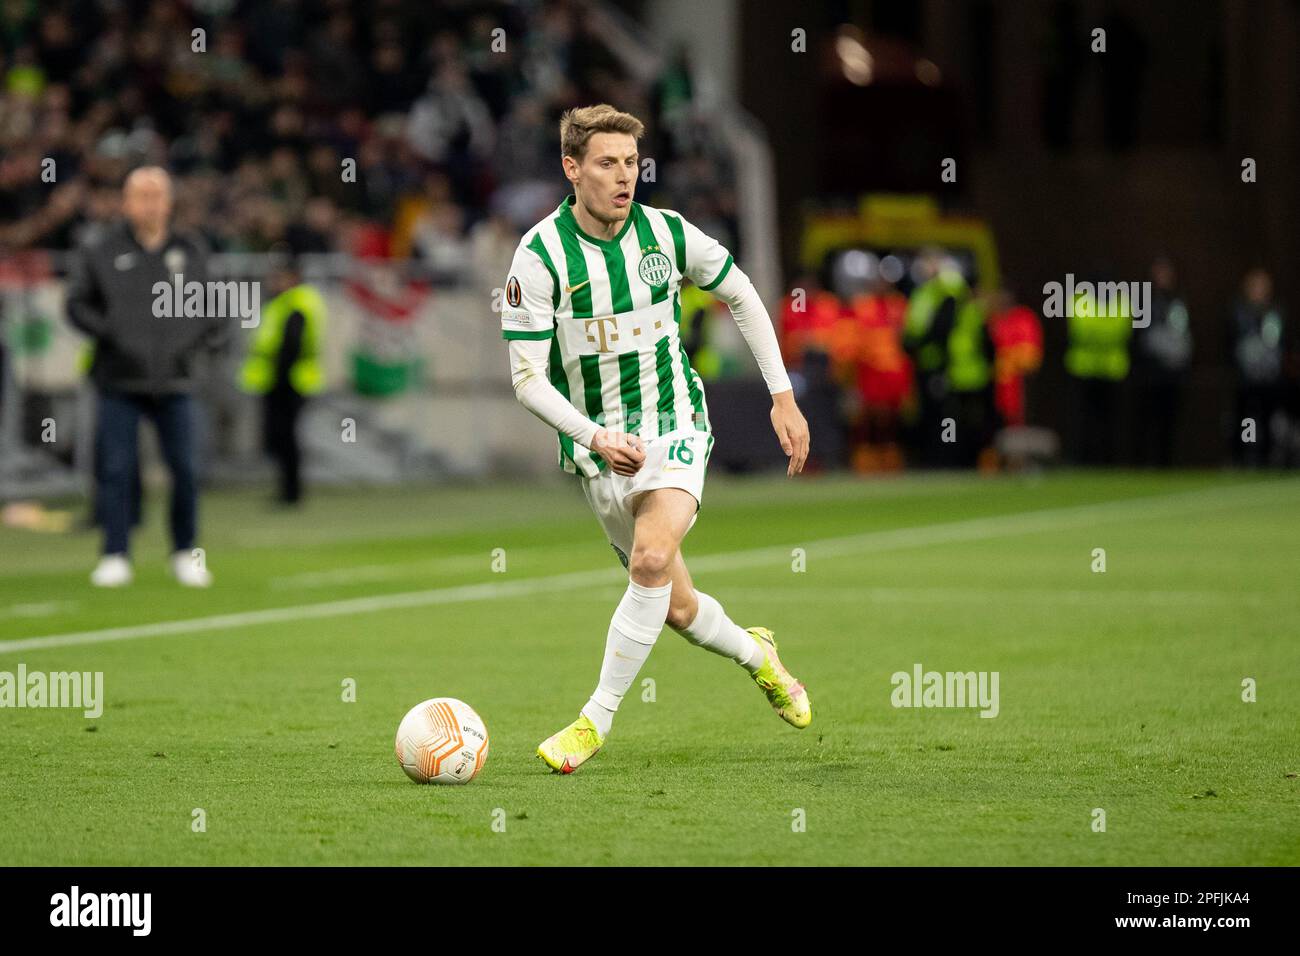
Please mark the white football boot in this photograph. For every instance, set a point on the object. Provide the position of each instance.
(188, 571)
(113, 571)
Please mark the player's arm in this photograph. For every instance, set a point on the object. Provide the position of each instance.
(756, 326)
(528, 324)
(529, 361)
(710, 267)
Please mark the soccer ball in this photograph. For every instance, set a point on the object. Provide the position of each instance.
(442, 741)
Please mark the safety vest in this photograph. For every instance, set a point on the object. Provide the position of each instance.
(921, 307)
(1099, 342)
(305, 374)
(968, 362)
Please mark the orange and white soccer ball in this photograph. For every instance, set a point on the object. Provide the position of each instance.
(442, 741)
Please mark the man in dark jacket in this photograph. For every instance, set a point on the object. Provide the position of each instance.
(1257, 329)
(143, 366)
(1161, 360)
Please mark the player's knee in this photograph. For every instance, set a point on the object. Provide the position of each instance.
(650, 561)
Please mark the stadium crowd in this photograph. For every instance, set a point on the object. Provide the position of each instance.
(395, 128)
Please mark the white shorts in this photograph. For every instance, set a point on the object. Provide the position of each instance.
(675, 460)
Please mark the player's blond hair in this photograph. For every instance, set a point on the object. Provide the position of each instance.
(578, 125)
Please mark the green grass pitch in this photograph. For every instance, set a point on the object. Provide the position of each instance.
(1119, 690)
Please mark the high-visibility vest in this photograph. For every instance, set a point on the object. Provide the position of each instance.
(921, 307)
(1099, 342)
(968, 360)
(305, 374)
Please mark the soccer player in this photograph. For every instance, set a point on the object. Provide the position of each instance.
(591, 312)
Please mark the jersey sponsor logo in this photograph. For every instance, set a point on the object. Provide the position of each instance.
(654, 268)
(597, 335)
(513, 295)
(520, 317)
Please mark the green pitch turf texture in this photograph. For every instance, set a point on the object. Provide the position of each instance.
(1119, 690)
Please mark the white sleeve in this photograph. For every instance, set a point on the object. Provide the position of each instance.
(707, 260)
(528, 300)
(529, 359)
(528, 324)
(755, 325)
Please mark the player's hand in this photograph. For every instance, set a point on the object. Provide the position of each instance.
(791, 430)
(625, 453)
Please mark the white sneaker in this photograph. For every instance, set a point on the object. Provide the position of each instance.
(188, 571)
(113, 571)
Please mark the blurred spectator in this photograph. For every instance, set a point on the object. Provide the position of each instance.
(526, 149)
(439, 239)
(1161, 359)
(315, 231)
(142, 367)
(1257, 343)
(451, 126)
(932, 312)
(970, 383)
(1017, 336)
(283, 366)
(808, 316)
(1097, 359)
(882, 375)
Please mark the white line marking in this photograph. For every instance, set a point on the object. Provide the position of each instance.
(427, 567)
(974, 529)
(42, 609)
(488, 591)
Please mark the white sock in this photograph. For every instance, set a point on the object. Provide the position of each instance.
(714, 631)
(635, 627)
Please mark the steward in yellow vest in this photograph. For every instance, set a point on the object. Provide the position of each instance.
(947, 333)
(1097, 359)
(284, 367)
(268, 360)
(1099, 338)
(970, 349)
(929, 324)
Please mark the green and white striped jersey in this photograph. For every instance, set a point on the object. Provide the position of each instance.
(611, 310)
